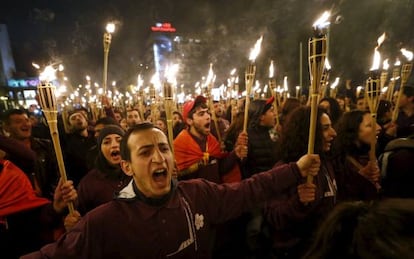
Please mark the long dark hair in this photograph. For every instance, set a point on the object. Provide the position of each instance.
(295, 135)
(382, 229)
(347, 130)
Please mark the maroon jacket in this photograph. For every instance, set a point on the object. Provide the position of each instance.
(181, 227)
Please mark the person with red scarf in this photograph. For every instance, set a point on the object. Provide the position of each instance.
(197, 151)
(27, 221)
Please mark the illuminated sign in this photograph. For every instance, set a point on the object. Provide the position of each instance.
(26, 82)
(163, 27)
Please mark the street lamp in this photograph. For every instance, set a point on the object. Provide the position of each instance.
(110, 28)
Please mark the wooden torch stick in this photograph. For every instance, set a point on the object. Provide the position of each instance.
(372, 94)
(48, 103)
(169, 103)
(317, 56)
(405, 74)
(249, 75)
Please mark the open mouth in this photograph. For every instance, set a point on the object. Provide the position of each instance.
(115, 153)
(159, 174)
(207, 125)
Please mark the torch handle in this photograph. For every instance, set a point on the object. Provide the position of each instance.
(168, 111)
(372, 155)
(312, 127)
(56, 144)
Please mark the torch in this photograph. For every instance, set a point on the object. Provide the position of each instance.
(210, 82)
(169, 101)
(47, 99)
(333, 88)
(405, 74)
(317, 56)
(372, 94)
(272, 86)
(393, 80)
(325, 78)
(249, 76)
(107, 37)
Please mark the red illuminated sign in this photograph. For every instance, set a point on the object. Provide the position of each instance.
(163, 27)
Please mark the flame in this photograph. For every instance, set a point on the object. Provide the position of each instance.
(397, 62)
(210, 76)
(271, 70)
(35, 65)
(335, 83)
(285, 83)
(322, 21)
(155, 81)
(61, 67)
(384, 90)
(233, 71)
(49, 74)
(113, 83)
(237, 80)
(256, 50)
(88, 78)
(408, 54)
(376, 60)
(377, 56)
(385, 64)
(327, 65)
(381, 39)
(140, 81)
(171, 73)
(110, 27)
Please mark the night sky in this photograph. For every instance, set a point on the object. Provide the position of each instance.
(71, 32)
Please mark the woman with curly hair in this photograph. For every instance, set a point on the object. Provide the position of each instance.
(295, 214)
(357, 177)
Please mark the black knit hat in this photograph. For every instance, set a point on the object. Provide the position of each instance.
(107, 130)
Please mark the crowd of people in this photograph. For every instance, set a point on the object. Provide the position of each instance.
(224, 192)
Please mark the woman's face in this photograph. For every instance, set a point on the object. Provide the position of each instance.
(110, 148)
(328, 132)
(365, 129)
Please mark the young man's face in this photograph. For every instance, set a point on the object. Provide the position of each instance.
(19, 127)
(78, 121)
(133, 118)
(200, 123)
(151, 163)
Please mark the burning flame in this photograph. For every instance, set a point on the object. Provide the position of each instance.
(35, 65)
(335, 83)
(210, 76)
(171, 73)
(385, 64)
(49, 74)
(377, 56)
(381, 40)
(322, 22)
(327, 65)
(285, 83)
(256, 50)
(140, 81)
(233, 71)
(237, 80)
(110, 27)
(408, 54)
(271, 70)
(397, 62)
(155, 81)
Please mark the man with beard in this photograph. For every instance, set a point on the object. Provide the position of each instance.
(45, 175)
(133, 117)
(222, 123)
(76, 145)
(197, 151)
